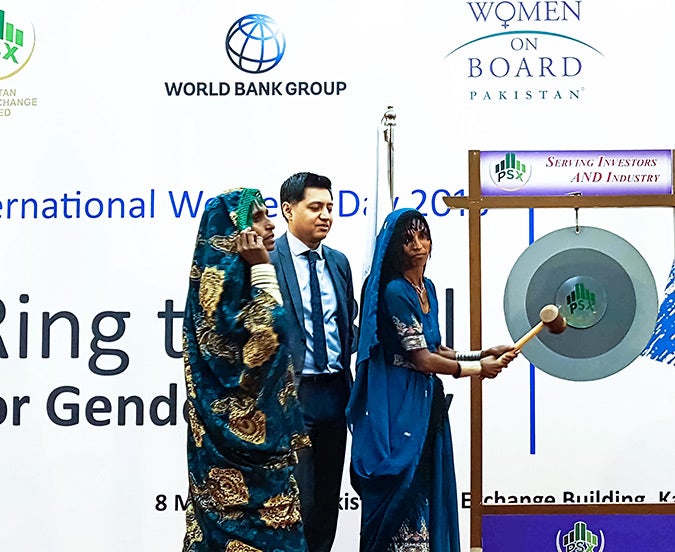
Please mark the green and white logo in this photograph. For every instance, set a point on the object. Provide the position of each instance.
(582, 301)
(580, 539)
(17, 42)
(510, 173)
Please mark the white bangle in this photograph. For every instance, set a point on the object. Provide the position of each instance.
(468, 368)
(263, 276)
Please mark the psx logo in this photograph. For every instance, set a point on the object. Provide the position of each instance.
(17, 41)
(510, 173)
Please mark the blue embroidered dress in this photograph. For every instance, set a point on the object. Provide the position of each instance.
(402, 460)
(245, 423)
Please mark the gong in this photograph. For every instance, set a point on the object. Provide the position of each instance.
(604, 289)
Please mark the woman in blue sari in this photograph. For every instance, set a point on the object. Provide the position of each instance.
(402, 460)
(245, 424)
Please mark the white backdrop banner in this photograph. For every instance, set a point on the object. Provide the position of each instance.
(120, 121)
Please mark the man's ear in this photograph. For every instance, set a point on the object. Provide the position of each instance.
(287, 210)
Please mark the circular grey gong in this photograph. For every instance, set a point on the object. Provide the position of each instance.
(604, 289)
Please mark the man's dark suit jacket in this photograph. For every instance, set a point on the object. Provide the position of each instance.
(341, 273)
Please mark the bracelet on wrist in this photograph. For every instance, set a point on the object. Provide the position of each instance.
(468, 368)
(468, 355)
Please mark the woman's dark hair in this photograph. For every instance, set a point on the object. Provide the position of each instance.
(406, 226)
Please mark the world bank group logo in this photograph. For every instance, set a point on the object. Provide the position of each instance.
(511, 173)
(255, 44)
(580, 539)
(17, 42)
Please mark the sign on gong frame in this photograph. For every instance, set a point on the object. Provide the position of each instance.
(589, 173)
(609, 302)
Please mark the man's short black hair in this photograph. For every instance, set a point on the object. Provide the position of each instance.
(293, 189)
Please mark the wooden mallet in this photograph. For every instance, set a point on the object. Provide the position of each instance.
(549, 317)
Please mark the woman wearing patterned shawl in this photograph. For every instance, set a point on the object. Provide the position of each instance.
(245, 423)
(402, 459)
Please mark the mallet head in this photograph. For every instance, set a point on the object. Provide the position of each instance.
(551, 318)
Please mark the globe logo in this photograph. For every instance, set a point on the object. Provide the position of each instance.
(255, 44)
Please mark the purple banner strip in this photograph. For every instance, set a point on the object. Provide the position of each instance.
(556, 173)
(572, 533)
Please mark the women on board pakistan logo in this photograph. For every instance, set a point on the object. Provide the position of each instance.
(255, 44)
(17, 42)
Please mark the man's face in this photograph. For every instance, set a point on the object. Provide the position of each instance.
(310, 220)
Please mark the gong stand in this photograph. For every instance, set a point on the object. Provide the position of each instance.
(474, 203)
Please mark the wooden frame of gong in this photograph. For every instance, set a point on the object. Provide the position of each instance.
(474, 203)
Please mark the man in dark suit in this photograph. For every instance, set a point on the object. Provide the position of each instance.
(317, 289)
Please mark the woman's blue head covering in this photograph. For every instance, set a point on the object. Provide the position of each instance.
(368, 414)
(245, 422)
(388, 409)
(392, 412)
(368, 337)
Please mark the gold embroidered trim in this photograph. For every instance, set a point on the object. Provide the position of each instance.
(260, 347)
(257, 314)
(235, 405)
(286, 392)
(226, 244)
(300, 441)
(238, 546)
(243, 420)
(211, 343)
(251, 428)
(193, 532)
(196, 426)
(234, 217)
(282, 511)
(210, 289)
(189, 383)
(227, 487)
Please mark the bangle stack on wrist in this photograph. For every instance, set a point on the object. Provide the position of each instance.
(468, 368)
(468, 355)
(263, 276)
